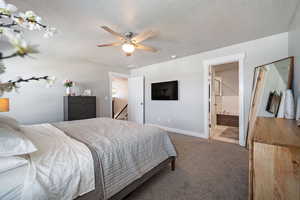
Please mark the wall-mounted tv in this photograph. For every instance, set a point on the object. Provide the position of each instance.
(164, 90)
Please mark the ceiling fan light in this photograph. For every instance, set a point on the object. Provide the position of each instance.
(128, 48)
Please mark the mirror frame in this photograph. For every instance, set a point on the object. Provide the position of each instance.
(289, 86)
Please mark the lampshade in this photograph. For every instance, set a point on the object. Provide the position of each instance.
(4, 104)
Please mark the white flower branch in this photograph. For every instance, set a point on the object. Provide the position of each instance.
(11, 25)
(14, 85)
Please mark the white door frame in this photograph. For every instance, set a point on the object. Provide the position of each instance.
(240, 58)
(110, 77)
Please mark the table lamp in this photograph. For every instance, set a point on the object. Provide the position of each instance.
(4, 104)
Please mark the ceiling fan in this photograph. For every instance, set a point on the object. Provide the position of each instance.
(129, 41)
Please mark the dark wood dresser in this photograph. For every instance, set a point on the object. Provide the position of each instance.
(79, 107)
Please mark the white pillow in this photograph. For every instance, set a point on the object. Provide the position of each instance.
(13, 142)
(9, 163)
(13, 123)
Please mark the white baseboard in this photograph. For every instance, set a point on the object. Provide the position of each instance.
(180, 131)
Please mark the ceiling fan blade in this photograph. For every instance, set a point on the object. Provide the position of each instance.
(118, 35)
(146, 48)
(143, 36)
(113, 44)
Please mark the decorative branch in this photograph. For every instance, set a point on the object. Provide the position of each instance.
(13, 85)
(8, 25)
(19, 18)
(21, 80)
(10, 56)
(9, 29)
(34, 21)
(4, 15)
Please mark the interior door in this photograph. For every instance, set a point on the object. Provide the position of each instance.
(213, 104)
(211, 101)
(136, 99)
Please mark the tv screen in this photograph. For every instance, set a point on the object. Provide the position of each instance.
(164, 90)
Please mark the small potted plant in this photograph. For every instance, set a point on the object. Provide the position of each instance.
(69, 84)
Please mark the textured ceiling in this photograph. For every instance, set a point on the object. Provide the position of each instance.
(185, 27)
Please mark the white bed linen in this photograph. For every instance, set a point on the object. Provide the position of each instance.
(11, 183)
(62, 168)
(14, 142)
(12, 162)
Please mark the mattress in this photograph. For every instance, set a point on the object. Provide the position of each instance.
(12, 183)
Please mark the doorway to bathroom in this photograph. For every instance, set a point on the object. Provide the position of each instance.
(224, 102)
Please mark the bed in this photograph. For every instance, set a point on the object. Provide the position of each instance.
(97, 158)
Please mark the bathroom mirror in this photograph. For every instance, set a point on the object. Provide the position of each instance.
(269, 91)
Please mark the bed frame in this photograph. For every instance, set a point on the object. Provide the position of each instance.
(134, 185)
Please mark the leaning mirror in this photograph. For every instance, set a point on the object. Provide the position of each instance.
(271, 94)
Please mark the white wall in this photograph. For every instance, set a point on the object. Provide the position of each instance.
(228, 103)
(188, 112)
(294, 49)
(229, 73)
(37, 104)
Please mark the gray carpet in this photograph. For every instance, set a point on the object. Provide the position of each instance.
(205, 170)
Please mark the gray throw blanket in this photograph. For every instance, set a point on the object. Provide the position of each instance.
(122, 151)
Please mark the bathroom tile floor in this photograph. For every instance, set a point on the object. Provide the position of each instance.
(226, 134)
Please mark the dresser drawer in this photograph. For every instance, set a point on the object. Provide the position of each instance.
(81, 100)
(79, 107)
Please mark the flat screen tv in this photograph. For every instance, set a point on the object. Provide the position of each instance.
(164, 90)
